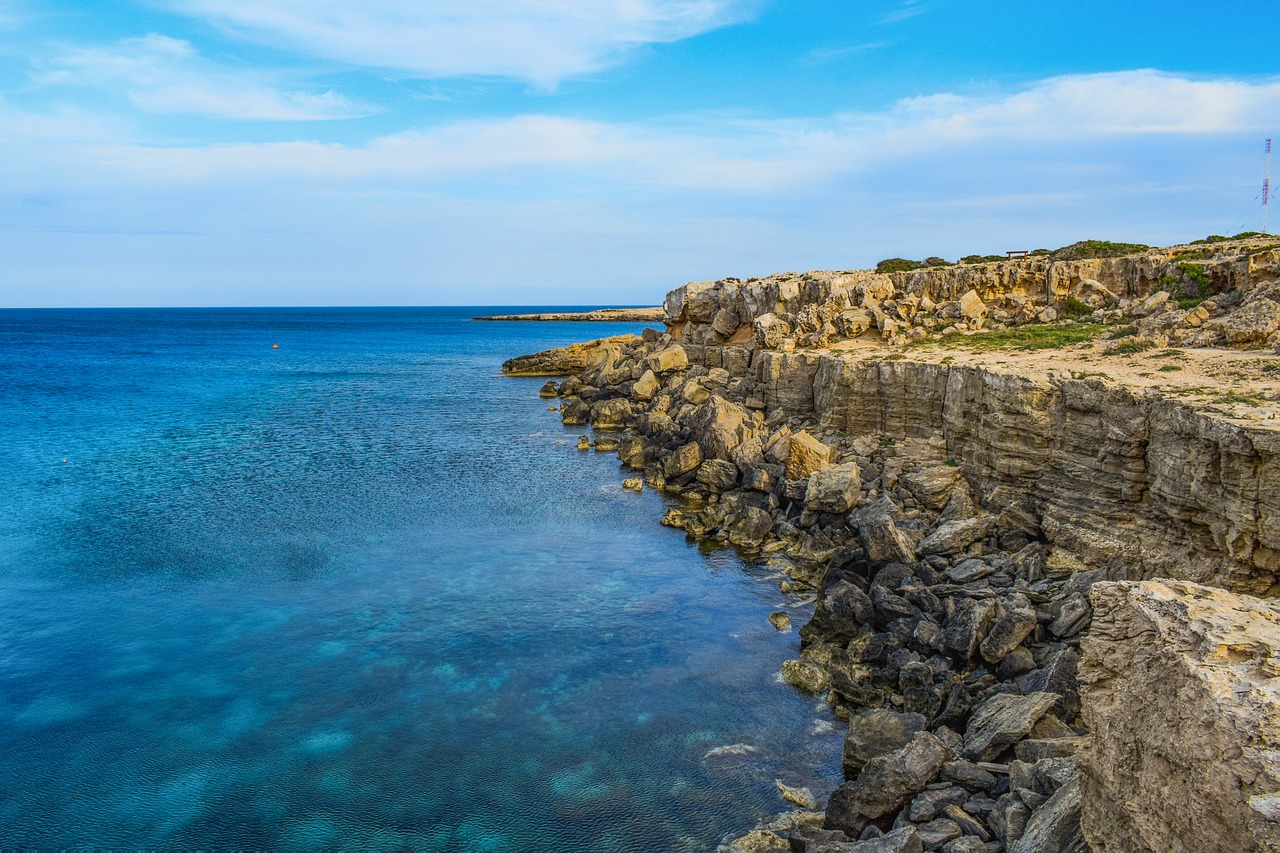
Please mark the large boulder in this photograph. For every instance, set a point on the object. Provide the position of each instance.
(952, 537)
(876, 732)
(806, 456)
(611, 414)
(683, 460)
(668, 360)
(881, 538)
(834, 489)
(1180, 693)
(719, 427)
(1002, 721)
(886, 783)
(932, 486)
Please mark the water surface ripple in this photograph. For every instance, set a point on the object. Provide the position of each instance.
(351, 593)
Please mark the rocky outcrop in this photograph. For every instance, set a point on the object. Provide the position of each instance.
(566, 360)
(602, 315)
(1180, 690)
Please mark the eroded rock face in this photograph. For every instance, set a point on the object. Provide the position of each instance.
(1179, 689)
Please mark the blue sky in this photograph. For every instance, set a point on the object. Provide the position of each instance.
(325, 152)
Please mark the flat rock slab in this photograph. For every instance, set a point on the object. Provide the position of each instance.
(1002, 721)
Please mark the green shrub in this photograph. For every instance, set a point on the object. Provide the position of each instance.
(1170, 368)
(897, 265)
(1212, 238)
(1075, 309)
(935, 261)
(1033, 337)
(982, 259)
(1135, 347)
(1097, 249)
(1246, 235)
(1040, 252)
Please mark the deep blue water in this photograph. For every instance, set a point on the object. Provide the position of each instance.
(359, 591)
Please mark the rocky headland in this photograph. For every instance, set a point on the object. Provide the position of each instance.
(1035, 507)
(602, 315)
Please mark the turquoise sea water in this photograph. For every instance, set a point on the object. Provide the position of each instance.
(351, 592)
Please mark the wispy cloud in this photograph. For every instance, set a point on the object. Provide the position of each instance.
(909, 9)
(831, 54)
(167, 75)
(540, 41)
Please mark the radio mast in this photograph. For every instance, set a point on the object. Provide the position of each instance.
(1266, 187)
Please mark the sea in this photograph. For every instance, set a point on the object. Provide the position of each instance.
(303, 579)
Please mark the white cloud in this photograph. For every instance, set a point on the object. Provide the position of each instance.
(540, 41)
(735, 157)
(167, 75)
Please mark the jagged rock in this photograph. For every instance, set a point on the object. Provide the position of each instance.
(1179, 690)
(771, 331)
(964, 631)
(606, 444)
(1001, 721)
(969, 571)
(1009, 818)
(806, 456)
(801, 797)
(805, 675)
(968, 825)
(611, 414)
(876, 732)
(718, 426)
(549, 390)
(882, 540)
(757, 841)
(632, 452)
(646, 387)
(886, 783)
(683, 460)
(965, 844)
(780, 620)
(952, 537)
(1072, 617)
(668, 360)
(1055, 826)
(932, 486)
(718, 474)
(1015, 619)
(972, 306)
(635, 484)
(929, 804)
(904, 839)
(968, 774)
(576, 413)
(833, 489)
(1057, 675)
(574, 358)
(584, 443)
(751, 528)
(839, 614)
(1251, 323)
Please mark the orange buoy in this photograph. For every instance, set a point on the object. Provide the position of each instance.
(275, 346)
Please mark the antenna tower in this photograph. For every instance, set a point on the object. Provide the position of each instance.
(1266, 187)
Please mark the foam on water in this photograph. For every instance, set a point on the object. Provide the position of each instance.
(351, 592)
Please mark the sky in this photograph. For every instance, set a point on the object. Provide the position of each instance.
(592, 152)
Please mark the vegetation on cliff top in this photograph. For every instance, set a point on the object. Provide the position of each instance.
(1033, 337)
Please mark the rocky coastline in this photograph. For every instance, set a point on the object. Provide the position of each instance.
(602, 315)
(1041, 595)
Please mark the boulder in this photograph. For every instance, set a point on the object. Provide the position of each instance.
(806, 456)
(575, 413)
(718, 474)
(932, 486)
(646, 387)
(683, 460)
(668, 360)
(718, 427)
(611, 414)
(1015, 618)
(1251, 323)
(1055, 827)
(904, 839)
(882, 540)
(886, 783)
(971, 306)
(876, 732)
(549, 390)
(968, 625)
(751, 528)
(771, 330)
(840, 614)
(1003, 720)
(952, 537)
(834, 489)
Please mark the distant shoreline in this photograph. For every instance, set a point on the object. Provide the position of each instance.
(605, 315)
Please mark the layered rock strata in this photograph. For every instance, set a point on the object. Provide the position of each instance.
(1203, 773)
(948, 521)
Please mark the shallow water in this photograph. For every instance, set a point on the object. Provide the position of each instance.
(351, 592)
